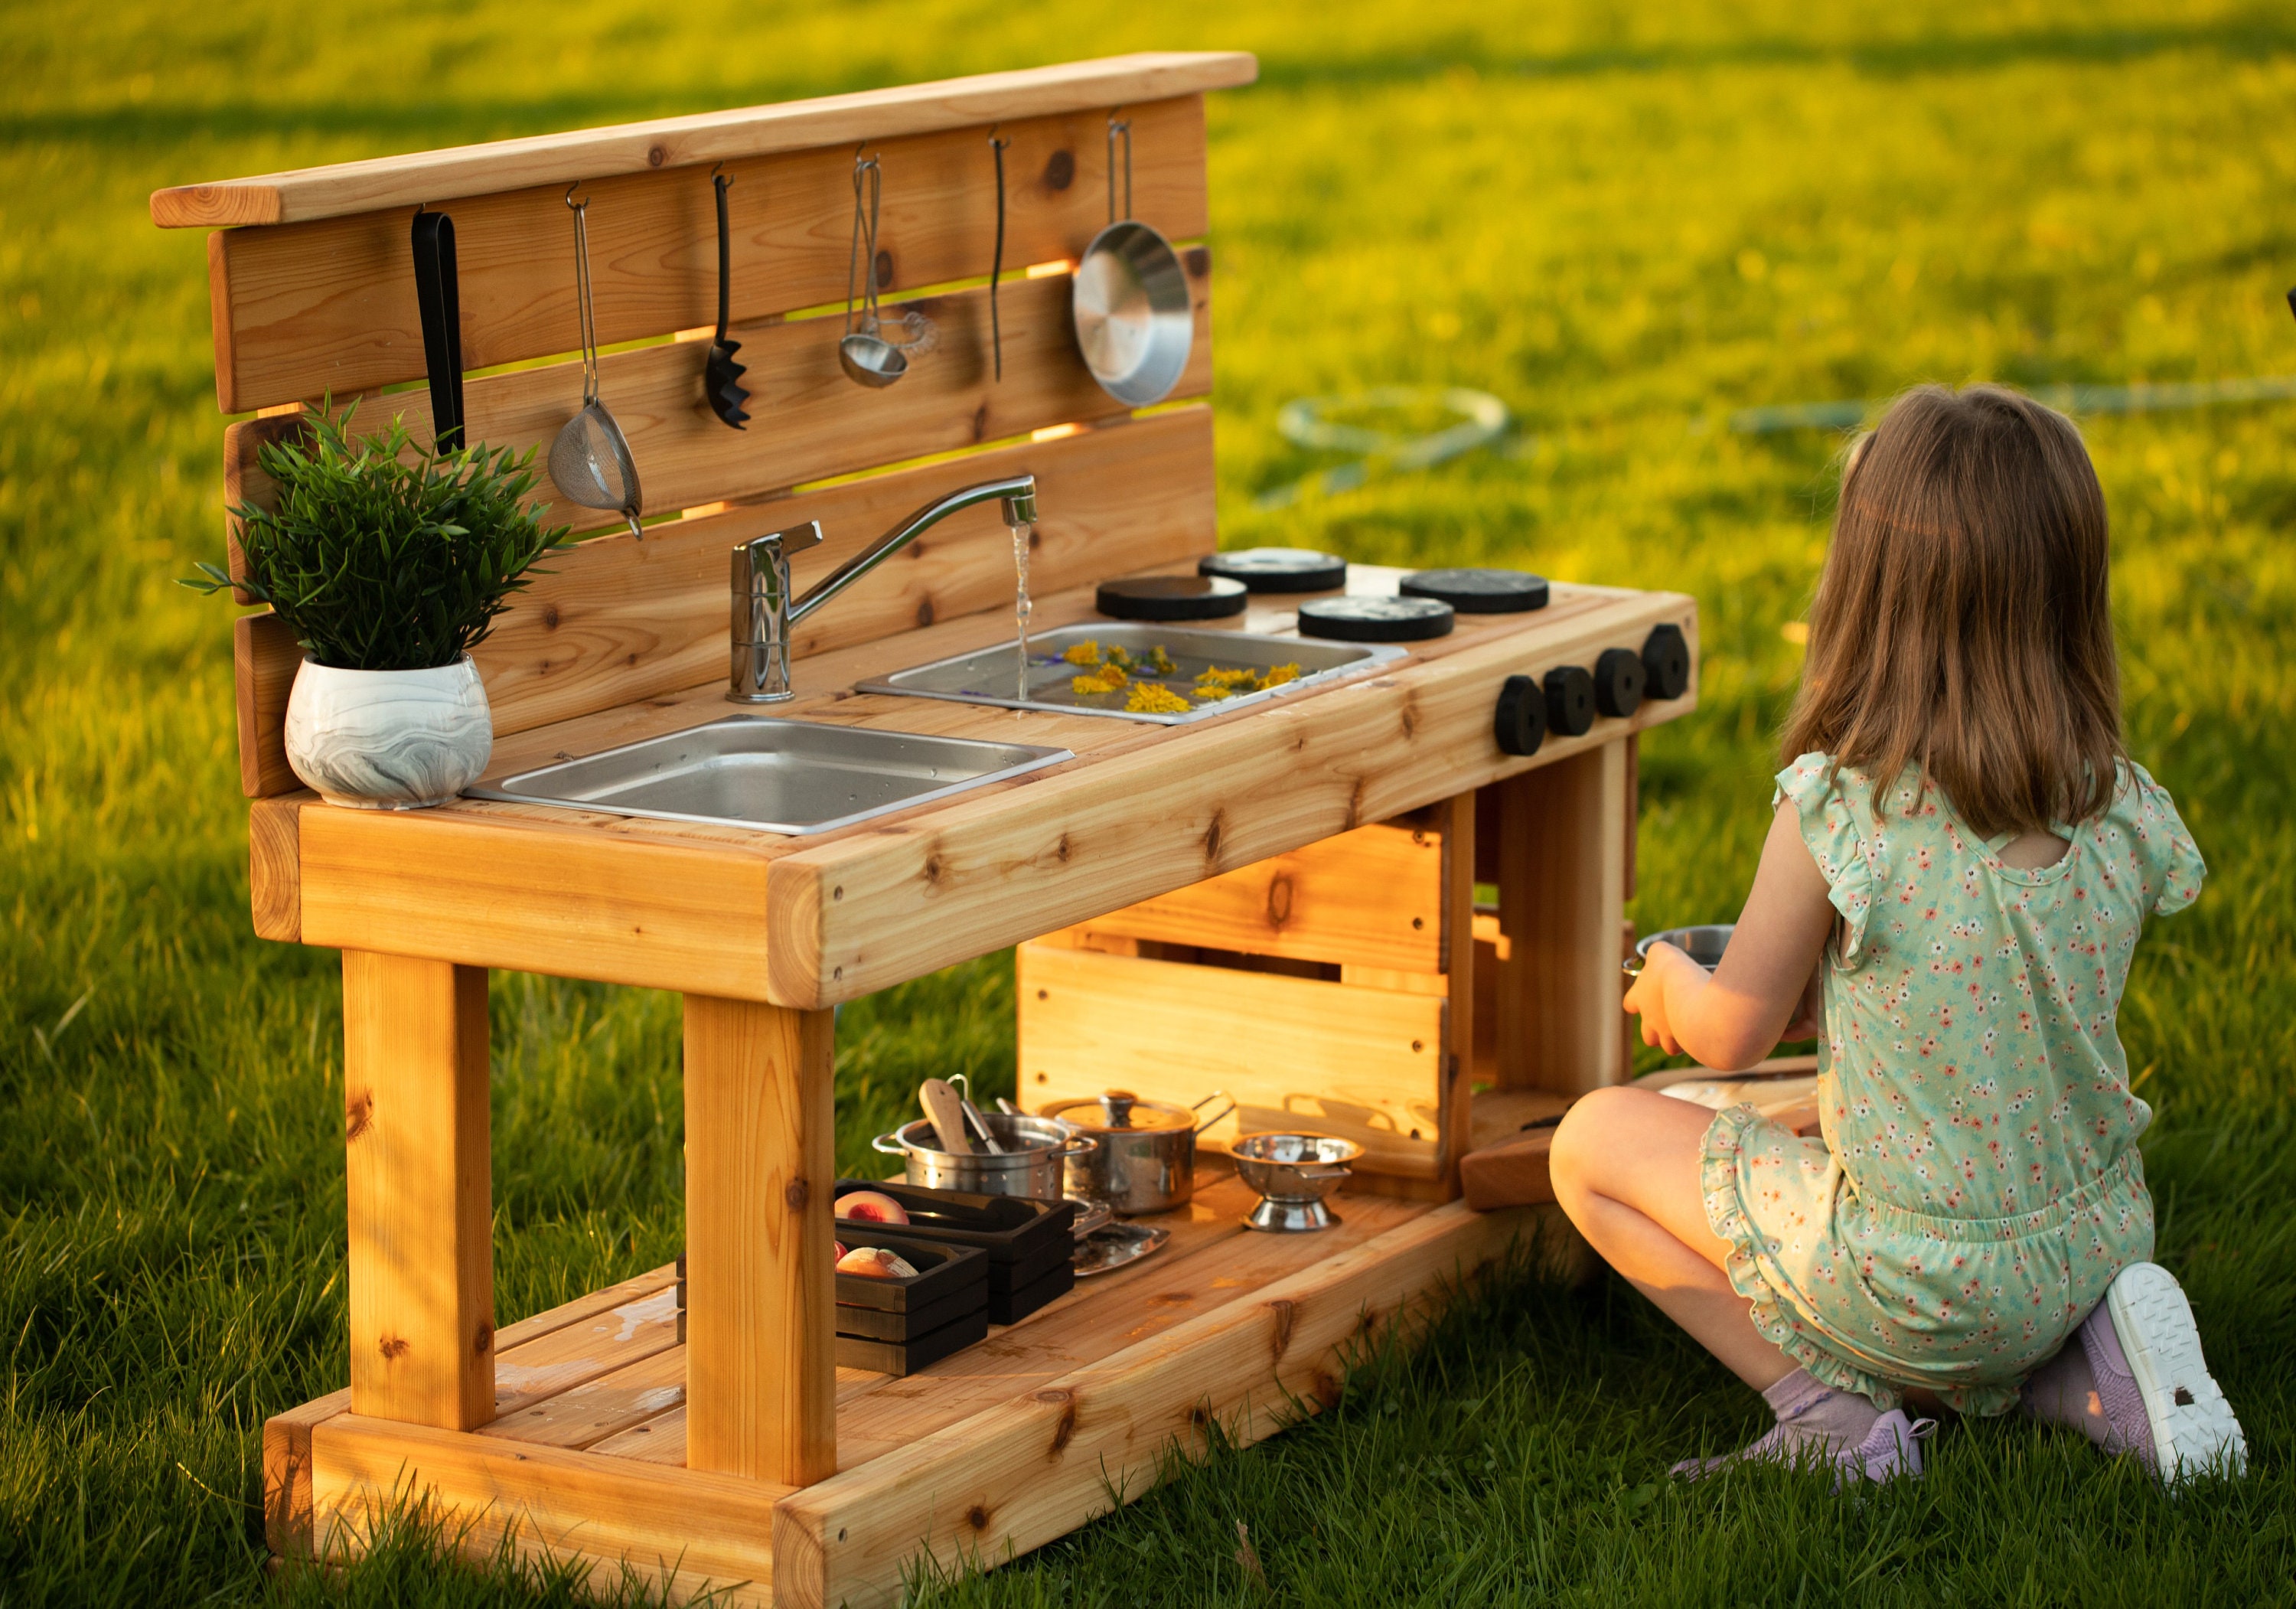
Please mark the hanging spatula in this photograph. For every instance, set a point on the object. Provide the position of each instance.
(721, 375)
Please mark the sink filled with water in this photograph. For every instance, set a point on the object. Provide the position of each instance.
(1135, 671)
(778, 775)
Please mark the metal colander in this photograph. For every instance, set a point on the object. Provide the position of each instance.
(590, 461)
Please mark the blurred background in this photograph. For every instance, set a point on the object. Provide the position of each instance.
(1685, 243)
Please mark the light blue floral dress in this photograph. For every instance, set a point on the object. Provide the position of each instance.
(1979, 1184)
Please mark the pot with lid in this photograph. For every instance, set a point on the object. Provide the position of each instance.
(1145, 1160)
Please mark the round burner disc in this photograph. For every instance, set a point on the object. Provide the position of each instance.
(1479, 591)
(1169, 597)
(1375, 620)
(1278, 569)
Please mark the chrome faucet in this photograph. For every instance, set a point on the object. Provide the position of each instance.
(763, 614)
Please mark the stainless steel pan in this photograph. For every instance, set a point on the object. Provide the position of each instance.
(1129, 299)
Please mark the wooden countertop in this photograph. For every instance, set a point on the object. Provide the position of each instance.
(810, 921)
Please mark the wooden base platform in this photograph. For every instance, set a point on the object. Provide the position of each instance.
(985, 1455)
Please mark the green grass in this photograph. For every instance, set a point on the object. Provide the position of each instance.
(1626, 222)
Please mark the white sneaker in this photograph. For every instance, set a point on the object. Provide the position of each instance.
(2191, 1425)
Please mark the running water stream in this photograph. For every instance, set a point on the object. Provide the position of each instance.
(1022, 606)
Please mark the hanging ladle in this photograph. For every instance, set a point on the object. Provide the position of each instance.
(867, 355)
(590, 461)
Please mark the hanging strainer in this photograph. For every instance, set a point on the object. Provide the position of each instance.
(590, 461)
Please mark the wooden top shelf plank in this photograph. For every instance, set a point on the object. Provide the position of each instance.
(437, 177)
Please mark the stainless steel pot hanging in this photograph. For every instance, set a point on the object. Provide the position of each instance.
(1129, 299)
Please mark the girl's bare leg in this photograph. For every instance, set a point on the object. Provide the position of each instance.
(1626, 1164)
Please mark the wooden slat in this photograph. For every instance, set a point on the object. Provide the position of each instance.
(1370, 898)
(573, 901)
(263, 659)
(287, 1435)
(546, 1369)
(329, 306)
(880, 905)
(275, 878)
(760, 1353)
(1454, 1135)
(616, 622)
(809, 419)
(421, 1261)
(1037, 1465)
(1296, 1052)
(1562, 889)
(597, 154)
(688, 1529)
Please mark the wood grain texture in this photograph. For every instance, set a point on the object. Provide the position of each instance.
(1370, 898)
(287, 1436)
(1455, 1076)
(1296, 1052)
(437, 177)
(570, 898)
(265, 657)
(809, 419)
(1038, 1465)
(329, 306)
(1562, 891)
(760, 1353)
(885, 903)
(689, 1530)
(275, 866)
(418, 1182)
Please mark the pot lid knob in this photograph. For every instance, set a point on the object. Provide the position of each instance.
(1118, 1104)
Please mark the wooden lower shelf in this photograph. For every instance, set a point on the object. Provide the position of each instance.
(985, 1456)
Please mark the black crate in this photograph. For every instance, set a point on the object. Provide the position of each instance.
(878, 1325)
(1005, 1278)
(1011, 1230)
(1020, 1303)
(908, 1357)
(942, 1271)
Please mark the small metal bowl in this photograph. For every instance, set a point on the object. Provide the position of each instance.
(1134, 319)
(1292, 1172)
(1703, 945)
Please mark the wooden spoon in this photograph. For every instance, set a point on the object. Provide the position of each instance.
(938, 1098)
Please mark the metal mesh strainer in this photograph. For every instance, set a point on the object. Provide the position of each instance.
(590, 461)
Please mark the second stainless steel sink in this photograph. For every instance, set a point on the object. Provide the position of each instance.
(1060, 658)
(777, 775)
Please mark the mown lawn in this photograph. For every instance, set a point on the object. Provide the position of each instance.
(1628, 222)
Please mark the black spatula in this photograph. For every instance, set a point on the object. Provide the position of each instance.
(721, 375)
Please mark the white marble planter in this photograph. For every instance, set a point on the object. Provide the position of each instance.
(388, 740)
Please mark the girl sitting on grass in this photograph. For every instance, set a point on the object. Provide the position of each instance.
(1948, 897)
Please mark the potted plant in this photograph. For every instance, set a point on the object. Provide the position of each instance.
(389, 564)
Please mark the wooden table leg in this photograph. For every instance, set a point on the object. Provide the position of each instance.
(421, 1194)
(760, 1322)
(1562, 865)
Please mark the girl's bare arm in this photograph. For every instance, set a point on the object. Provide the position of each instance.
(1735, 1016)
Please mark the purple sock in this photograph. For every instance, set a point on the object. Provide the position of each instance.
(1813, 1407)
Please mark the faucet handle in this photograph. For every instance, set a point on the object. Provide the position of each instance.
(796, 538)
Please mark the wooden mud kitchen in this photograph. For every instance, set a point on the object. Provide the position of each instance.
(1271, 894)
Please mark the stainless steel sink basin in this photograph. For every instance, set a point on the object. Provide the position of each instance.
(778, 775)
(992, 675)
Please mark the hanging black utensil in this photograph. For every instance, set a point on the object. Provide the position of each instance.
(996, 263)
(441, 301)
(721, 375)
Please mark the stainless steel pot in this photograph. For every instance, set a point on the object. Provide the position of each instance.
(1145, 1160)
(1035, 1148)
(1703, 945)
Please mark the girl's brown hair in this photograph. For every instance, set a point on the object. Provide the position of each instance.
(1963, 622)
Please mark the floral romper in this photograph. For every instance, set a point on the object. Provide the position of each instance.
(1979, 1184)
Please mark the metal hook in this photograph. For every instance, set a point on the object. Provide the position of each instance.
(718, 170)
(1117, 125)
(570, 201)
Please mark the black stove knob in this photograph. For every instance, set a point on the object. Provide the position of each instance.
(1520, 726)
(1619, 682)
(1569, 700)
(1665, 662)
